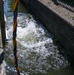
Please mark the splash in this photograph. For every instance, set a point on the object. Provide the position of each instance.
(37, 53)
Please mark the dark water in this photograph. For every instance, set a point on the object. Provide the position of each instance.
(69, 2)
(36, 51)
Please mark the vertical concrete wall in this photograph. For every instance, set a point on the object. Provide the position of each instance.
(2, 39)
(2, 62)
(2, 22)
(26, 2)
(54, 23)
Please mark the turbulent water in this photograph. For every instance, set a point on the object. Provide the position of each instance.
(36, 51)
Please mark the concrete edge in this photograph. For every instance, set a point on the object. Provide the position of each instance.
(54, 23)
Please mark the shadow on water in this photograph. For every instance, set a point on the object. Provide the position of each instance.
(36, 51)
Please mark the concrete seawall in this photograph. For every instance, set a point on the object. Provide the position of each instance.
(61, 28)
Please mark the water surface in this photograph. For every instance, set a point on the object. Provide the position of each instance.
(36, 51)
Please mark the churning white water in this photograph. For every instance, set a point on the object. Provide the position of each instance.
(36, 51)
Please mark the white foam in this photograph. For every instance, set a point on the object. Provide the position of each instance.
(22, 32)
(32, 39)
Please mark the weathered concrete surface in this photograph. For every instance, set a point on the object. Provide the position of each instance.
(2, 22)
(2, 62)
(61, 26)
(2, 39)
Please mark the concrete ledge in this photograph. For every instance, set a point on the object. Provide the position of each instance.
(54, 23)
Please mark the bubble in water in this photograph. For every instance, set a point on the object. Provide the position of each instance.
(36, 50)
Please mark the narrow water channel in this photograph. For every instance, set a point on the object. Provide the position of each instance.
(36, 51)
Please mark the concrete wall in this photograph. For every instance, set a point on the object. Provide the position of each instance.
(54, 23)
(2, 62)
(2, 39)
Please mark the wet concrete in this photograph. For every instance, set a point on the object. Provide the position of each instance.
(58, 23)
(2, 63)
